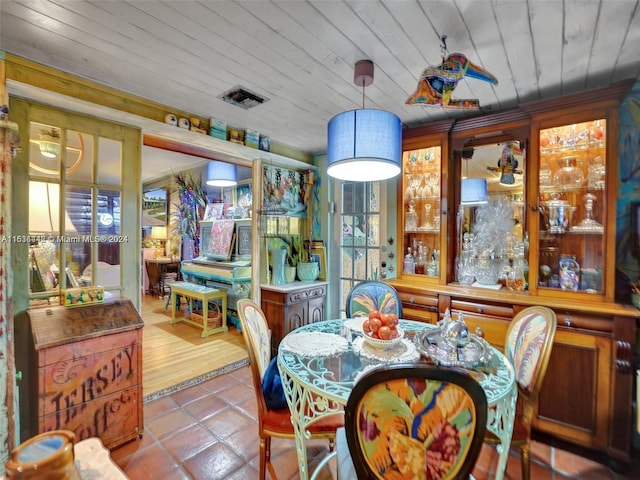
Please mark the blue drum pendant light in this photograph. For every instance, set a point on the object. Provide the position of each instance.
(221, 174)
(364, 145)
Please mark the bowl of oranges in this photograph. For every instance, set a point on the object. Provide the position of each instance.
(381, 330)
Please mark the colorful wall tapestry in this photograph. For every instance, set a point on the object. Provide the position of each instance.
(627, 259)
(286, 192)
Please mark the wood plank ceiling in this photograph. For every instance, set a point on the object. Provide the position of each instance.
(300, 54)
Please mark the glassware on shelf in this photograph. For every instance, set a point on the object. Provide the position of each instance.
(588, 224)
(545, 175)
(411, 219)
(409, 265)
(596, 173)
(427, 225)
(569, 175)
(557, 214)
(466, 266)
(421, 259)
(569, 273)
(517, 277)
(433, 182)
(487, 270)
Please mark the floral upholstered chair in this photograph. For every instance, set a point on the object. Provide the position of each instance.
(372, 295)
(415, 421)
(528, 347)
(272, 422)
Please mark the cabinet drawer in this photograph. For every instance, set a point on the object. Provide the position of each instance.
(495, 310)
(412, 300)
(305, 295)
(495, 329)
(584, 321)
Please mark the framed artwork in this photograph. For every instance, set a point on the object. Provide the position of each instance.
(319, 254)
(220, 240)
(313, 244)
(244, 197)
(213, 211)
(154, 207)
(286, 192)
(243, 240)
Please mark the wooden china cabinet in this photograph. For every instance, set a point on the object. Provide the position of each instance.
(544, 234)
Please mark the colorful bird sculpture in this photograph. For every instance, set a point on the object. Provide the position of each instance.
(438, 81)
(508, 164)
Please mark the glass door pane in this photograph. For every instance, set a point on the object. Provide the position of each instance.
(421, 212)
(361, 233)
(572, 185)
(492, 242)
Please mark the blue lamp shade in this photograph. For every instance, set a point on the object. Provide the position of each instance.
(221, 174)
(473, 191)
(364, 145)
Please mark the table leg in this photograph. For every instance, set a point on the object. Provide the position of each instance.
(173, 306)
(500, 423)
(297, 401)
(224, 311)
(205, 317)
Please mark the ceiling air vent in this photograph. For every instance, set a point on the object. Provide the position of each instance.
(243, 98)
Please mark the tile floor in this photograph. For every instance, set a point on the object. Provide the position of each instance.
(209, 431)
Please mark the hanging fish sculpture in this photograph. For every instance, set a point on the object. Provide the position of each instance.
(438, 81)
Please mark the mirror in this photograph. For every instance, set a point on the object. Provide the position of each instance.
(490, 222)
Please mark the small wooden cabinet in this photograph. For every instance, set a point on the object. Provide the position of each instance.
(290, 306)
(89, 370)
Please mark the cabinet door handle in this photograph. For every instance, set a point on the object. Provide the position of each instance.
(480, 310)
(567, 321)
(412, 300)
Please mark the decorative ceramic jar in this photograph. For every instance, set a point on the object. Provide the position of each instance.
(289, 274)
(48, 456)
(308, 271)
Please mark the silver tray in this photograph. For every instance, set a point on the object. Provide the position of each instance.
(476, 353)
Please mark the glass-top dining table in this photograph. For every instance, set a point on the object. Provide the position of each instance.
(320, 362)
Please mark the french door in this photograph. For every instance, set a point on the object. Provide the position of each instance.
(362, 227)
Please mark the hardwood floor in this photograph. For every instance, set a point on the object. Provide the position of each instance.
(175, 356)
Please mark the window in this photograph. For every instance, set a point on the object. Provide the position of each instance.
(362, 228)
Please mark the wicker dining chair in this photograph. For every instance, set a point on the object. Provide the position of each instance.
(273, 423)
(414, 421)
(528, 345)
(372, 295)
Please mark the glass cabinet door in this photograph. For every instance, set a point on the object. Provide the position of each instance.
(491, 236)
(421, 212)
(572, 205)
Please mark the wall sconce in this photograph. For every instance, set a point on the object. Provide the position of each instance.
(364, 145)
(221, 174)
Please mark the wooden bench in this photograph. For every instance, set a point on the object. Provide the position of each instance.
(191, 292)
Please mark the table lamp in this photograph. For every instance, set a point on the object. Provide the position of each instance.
(159, 235)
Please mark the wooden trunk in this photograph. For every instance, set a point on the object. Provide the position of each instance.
(89, 370)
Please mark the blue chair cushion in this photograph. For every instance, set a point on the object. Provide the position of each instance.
(272, 387)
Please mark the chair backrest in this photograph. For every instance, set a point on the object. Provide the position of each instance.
(373, 295)
(415, 421)
(528, 347)
(257, 336)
